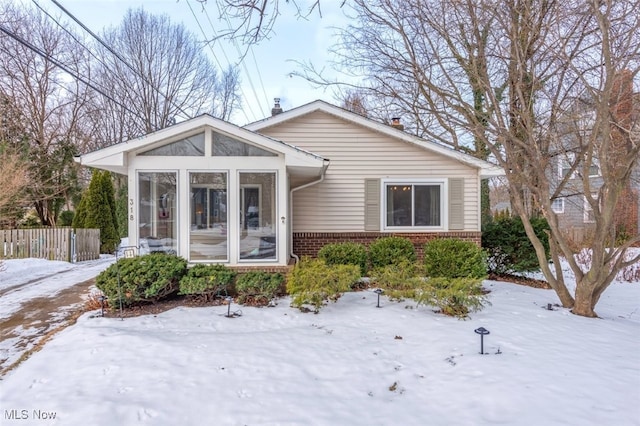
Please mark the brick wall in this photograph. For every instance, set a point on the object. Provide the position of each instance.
(309, 243)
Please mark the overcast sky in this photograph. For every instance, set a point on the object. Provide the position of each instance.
(266, 72)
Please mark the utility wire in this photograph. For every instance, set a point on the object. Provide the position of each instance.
(65, 29)
(61, 66)
(117, 55)
(251, 49)
(218, 61)
(244, 65)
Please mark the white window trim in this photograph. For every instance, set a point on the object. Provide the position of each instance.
(586, 208)
(188, 254)
(444, 211)
(569, 159)
(558, 210)
(277, 214)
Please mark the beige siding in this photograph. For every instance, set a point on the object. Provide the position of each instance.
(355, 154)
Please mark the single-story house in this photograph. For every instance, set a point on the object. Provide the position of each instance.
(284, 186)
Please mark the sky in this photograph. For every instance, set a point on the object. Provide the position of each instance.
(350, 364)
(266, 72)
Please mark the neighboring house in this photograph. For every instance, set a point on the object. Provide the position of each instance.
(575, 214)
(285, 186)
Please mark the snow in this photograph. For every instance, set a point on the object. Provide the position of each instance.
(351, 364)
(26, 279)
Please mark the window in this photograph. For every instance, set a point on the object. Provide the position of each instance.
(589, 217)
(192, 146)
(569, 159)
(209, 231)
(224, 146)
(157, 211)
(409, 204)
(258, 218)
(557, 205)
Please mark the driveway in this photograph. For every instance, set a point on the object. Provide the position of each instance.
(35, 309)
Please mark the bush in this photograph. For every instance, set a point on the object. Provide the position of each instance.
(258, 288)
(391, 251)
(313, 282)
(142, 279)
(207, 281)
(452, 258)
(66, 218)
(399, 281)
(345, 254)
(508, 247)
(453, 296)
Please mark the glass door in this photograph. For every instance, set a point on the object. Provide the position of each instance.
(258, 224)
(208, 236)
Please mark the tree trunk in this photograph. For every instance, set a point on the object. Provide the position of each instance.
(585, 302)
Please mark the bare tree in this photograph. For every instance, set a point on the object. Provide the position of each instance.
(505, 77)
(48, 103)
(156, 73)
(501, 80)
(255, 19)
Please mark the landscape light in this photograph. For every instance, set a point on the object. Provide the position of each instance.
(481, 331)
(102, 298)
(378, 291)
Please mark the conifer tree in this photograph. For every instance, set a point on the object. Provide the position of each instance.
(97, 209)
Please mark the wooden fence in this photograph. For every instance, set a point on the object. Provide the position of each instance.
(64, 244)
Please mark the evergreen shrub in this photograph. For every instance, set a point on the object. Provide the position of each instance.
(453, 296)
(399, 281)
(207, 281)
(142, 279)
(258, 288)
(66, 218)
(313, 282)
(390, 251)
(508, 247)
(453, 258)
(345, 254)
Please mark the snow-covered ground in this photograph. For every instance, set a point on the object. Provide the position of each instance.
(351, 364)
(26, 279)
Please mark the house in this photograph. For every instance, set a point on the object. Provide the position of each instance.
(577, 176)
(284, 186)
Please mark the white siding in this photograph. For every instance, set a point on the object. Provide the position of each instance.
(357, 153)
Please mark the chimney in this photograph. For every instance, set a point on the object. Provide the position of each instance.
(277, 109)
(395, 123)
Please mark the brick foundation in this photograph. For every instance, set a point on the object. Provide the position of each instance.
(266, 268)
(309, 243)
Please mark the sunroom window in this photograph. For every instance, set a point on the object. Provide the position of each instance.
(417, 205)
(224, 146)
(192, 146)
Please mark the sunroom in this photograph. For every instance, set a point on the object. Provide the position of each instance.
(210, 191)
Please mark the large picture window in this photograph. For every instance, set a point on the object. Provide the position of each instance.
(413, 205)
(157, 211)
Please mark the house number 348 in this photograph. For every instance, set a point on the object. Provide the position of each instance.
(130, 208)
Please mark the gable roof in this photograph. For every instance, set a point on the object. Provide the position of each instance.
(486, 169)
(114, 158)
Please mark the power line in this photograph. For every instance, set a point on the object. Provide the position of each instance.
(235, 43)
(117, 55)
(61, 66)
(218, 61)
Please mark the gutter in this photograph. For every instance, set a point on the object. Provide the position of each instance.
(306, 185)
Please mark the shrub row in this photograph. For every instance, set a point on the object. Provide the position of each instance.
(450, 277)
(157, 276)
(382, 252)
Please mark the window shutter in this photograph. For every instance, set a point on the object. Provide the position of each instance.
(456, 203)
(372, 204)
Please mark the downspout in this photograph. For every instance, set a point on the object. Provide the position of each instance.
(306, 185)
